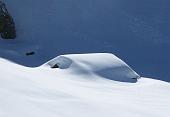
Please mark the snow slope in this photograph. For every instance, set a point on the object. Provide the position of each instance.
(60, 92)
(89, 85)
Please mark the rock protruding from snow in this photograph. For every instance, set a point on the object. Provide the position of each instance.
(100, 64)
(61, 61)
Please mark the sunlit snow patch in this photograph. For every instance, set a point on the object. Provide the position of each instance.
(101, 64)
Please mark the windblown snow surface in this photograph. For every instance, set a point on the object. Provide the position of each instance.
(88, 85)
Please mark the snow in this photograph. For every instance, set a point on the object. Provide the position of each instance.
(62, 92)
(85, 85)
(101, 64)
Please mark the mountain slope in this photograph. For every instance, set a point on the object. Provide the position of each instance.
(43, 91)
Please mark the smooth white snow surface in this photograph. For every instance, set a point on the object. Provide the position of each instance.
(102, 64)
(68, 92)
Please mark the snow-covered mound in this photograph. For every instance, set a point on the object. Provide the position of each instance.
(102, 64)
(46, 92)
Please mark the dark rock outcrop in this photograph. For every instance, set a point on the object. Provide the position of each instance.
(7, 25)
(55, 66)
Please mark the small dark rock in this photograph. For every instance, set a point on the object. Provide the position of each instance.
(30, 53)
(55, 66)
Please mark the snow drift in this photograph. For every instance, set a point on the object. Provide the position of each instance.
(102, 64)
(69, 92)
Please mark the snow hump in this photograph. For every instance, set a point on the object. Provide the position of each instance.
(104, 65)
